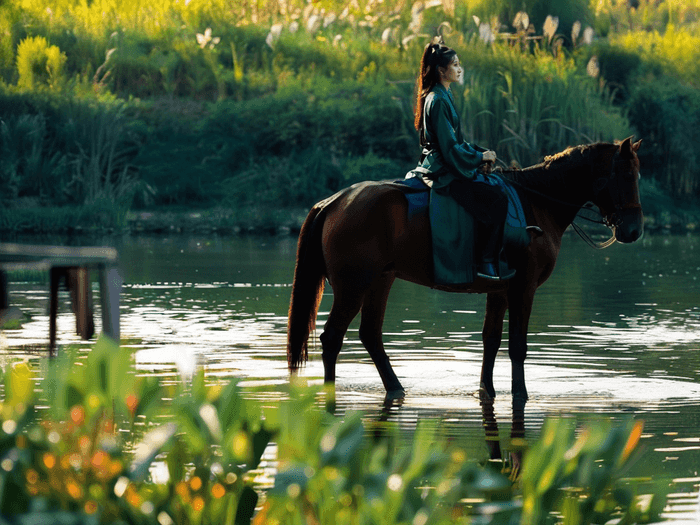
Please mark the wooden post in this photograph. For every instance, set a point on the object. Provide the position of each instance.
(82, 298)
(54, 278)
(4, 292)
(110, 288)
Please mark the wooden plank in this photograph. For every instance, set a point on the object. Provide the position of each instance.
(57, 255)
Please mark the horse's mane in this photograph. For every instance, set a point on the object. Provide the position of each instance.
(552, 167)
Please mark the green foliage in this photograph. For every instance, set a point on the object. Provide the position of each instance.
(289, 82)
(100, 216)
(620, 68)
(120, 447)
(567, 11)
(675, 52)
(65, 153)
(39, 64)
(576, 475)
(672, 141)
(528, 109)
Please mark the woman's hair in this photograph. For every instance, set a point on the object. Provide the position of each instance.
(434, 55)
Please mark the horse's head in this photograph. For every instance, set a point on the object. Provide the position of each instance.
(617, 193)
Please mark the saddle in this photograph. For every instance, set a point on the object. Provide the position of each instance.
(453, 229)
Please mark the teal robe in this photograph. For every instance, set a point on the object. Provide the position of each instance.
(446, 154)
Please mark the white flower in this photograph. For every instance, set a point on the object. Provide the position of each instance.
(313, 23)
(486, 34)
(550, 26)
(522, 21)
(206, 38)
(575, 31)
(593, 67)
(330, 18)
(588, 35)
(274, 34)
(386, 35)
(294, 27)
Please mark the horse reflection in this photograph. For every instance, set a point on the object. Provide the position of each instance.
(381, 415)
(513, 461)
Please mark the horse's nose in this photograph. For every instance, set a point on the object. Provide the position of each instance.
(631, 226)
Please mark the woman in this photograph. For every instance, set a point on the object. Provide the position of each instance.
(449, 161)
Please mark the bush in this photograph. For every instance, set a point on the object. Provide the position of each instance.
(39, 65)
(671, 151)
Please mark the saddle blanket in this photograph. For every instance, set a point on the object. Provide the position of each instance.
(452, 227)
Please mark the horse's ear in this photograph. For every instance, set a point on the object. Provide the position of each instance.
(635, 146)
(626, 147)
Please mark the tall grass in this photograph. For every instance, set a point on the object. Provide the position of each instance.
(529, 107)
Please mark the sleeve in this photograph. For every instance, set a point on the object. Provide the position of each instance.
(462, 157)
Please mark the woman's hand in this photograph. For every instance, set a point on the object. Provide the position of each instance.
(489, 156)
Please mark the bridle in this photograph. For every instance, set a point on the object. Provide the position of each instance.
(611, 220)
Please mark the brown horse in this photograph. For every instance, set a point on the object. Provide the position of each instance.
(361, 239)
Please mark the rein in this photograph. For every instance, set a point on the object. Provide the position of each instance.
(598, 186)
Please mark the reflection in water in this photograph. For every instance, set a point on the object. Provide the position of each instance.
(612, 333)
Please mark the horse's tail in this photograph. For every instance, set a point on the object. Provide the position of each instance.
(307, 289)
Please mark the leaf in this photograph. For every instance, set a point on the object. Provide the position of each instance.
(176, 460)
(73, 396)
(294, 475)
(20, 384)
(146, 451)
(260, 441)
(211, 419)
(246, 506)
(632, 441)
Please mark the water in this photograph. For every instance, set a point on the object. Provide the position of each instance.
(613, 333)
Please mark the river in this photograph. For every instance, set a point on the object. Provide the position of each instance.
(613, 333)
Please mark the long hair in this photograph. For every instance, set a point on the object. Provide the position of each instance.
(434, 55)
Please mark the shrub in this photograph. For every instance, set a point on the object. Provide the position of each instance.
(676, 51)
(39, 64)
(671, 149)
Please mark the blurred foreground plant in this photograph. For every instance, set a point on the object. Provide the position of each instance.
(97, 443)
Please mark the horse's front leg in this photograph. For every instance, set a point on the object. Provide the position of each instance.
(496, 306)
(520, 307)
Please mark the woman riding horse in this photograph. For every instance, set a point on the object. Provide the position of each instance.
(451, 162)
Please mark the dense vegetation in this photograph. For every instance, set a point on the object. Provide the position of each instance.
(258, 107)
(118, 447)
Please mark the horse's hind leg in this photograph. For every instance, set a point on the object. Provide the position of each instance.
(346, 305)
(496, 306)
(373, 308)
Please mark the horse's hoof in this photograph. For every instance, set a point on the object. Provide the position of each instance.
(520, 399)
(486, 394)
(397, 393)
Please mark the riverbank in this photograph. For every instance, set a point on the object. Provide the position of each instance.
(660, 217)
(288, 222)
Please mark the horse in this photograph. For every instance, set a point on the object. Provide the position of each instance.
(361, 240)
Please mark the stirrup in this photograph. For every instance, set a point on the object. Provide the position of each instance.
(488, 271)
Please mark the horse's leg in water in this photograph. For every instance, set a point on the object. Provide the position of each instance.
(373, 308)
(491, 334)
(520, 298)
(346, 305)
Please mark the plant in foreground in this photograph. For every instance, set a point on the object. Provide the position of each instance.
(97, 443)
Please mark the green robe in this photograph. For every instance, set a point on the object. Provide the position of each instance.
(446, 155)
